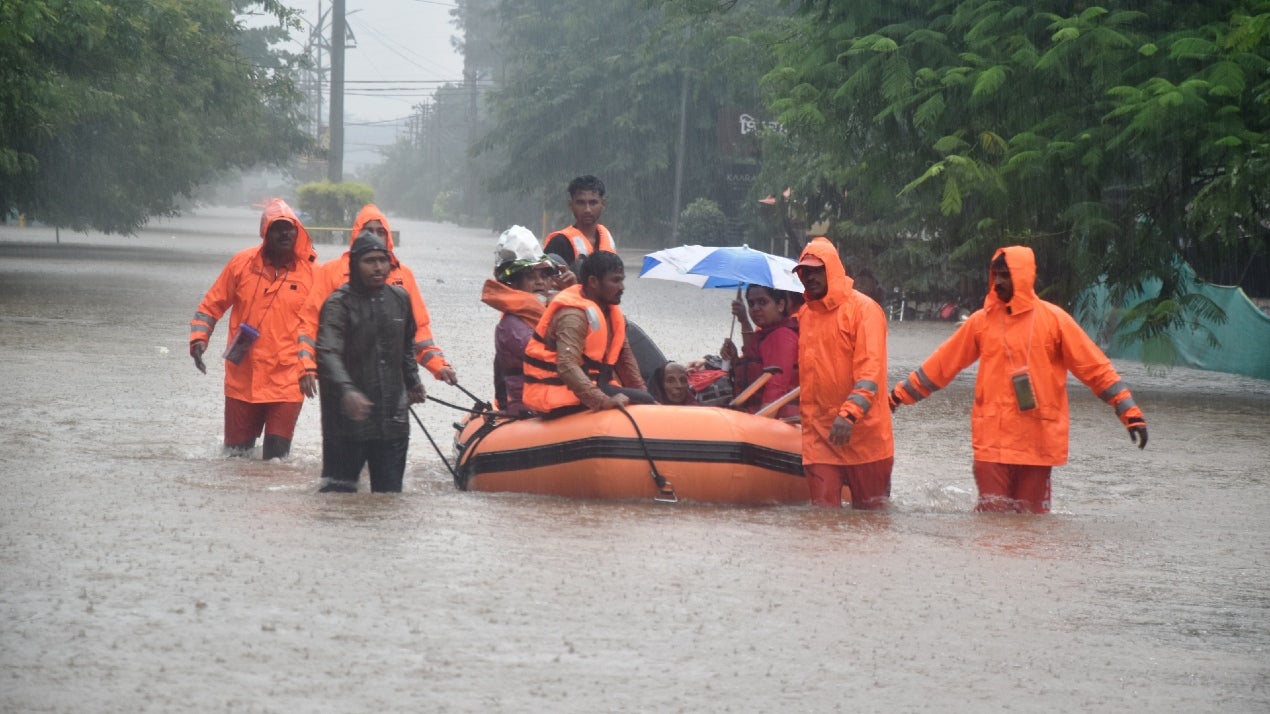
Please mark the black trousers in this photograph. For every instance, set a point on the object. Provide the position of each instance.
(342, 462)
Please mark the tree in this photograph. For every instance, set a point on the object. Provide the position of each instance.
(595, 88)
(111, 110)
(1107, 139)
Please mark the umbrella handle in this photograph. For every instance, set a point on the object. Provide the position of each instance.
(732, 329)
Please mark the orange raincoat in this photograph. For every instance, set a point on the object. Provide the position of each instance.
(842, 369)
(268, 299)
(1005, 337)
(521, 312)
(334, 273)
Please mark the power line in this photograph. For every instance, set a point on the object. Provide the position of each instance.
(403, 81)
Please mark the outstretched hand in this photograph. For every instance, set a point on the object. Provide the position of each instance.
(197, 348)
(1138, 435)
(894, 400)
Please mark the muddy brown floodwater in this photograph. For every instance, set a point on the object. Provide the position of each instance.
(143, 572)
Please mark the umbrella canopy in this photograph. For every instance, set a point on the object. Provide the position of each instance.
(748, 266)
(673, 264)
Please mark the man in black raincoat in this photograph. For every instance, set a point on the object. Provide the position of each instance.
(367, 373)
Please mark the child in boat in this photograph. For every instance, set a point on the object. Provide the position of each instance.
(772, 341)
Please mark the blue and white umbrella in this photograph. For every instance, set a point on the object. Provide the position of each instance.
(713, 267)
(673, 264)
(749, 266)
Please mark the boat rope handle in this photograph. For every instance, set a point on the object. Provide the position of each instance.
(480, 403)
(665, 490)
(481, 409)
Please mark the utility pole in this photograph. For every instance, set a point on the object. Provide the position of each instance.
(317, 107)
(335, 155)
(679, 158)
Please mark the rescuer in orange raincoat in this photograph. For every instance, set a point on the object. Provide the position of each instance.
(1025, 347)
(264, 287)
(586, 235)
(334, 273)
(842, 371)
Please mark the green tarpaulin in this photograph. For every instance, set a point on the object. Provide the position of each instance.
(1244, 337)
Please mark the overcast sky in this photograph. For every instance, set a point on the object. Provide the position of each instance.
(403, 53)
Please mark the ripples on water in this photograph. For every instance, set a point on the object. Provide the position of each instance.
(144, 571)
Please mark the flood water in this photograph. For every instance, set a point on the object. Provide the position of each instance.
(143, 572)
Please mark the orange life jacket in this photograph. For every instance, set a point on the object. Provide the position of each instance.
(544, 390)
(582, 244)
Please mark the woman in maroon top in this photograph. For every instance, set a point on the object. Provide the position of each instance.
(771, 342)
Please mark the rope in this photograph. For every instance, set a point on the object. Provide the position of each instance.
(474, 410)
(434, 444)
(664, 487)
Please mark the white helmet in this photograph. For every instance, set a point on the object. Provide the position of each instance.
(517, 249)
(517, 243)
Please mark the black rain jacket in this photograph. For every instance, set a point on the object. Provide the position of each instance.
(366, 343)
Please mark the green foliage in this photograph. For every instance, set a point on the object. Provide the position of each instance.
(112, 110)
(595, 88)
(703, 222)
(928, 133)
(1106, 139)
(446, 206)
(333, 204)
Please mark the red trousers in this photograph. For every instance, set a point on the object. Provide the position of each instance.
(245, 420)
(1012, 488)
(870, 484)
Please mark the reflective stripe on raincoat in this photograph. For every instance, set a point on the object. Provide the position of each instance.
(269, 300)
(842, 369)
(334, 273)
(1005, 337)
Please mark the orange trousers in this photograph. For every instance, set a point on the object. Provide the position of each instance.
(1012, 488)
(245, 420)
(870, 484)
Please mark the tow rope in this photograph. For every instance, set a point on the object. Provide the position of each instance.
(665, 490)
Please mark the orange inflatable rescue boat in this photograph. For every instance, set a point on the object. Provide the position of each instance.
(706, 454)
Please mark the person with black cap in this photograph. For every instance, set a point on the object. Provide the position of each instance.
(367, 373)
